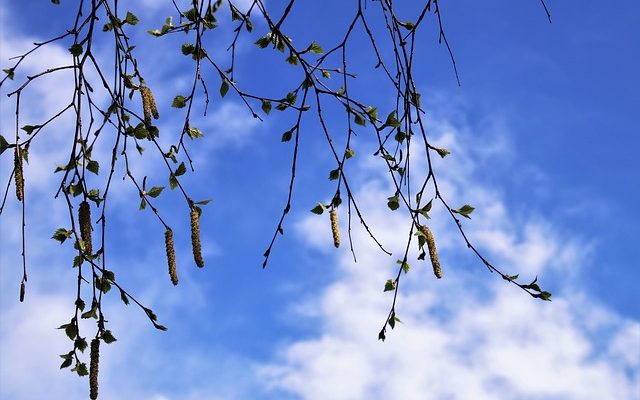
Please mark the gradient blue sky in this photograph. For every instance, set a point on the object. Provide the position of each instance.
(543, 134)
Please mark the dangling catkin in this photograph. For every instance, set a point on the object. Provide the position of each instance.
(334, 227)
(433, 252)
(84, 218)
(171, 256)
(148, 104)
(22, 291)
(94, 358)
(195, 238)
(18, 176)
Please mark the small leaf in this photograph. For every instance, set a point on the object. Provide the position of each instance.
(442, 152)
(181, 169)
(155, 191)
(30, 128)
(392, 120)
(404, 265)
(224, 88)
(173, 182)
(464, 211)
(326, 73)
(348, 153)
(93, 166)
(194, 133)
(179, 102)
(359, 120)
(188, 48)
(81, 369)
(389, 285)
(131, 19)
(9, 72)
(319, 209)
(286, 136)
(315, 48)
(266, 106)
(71, 330)
(61, 235)
(108, 338)
(76, 49)
(124, 297)
(393, 203)
(66, 363)
(334, 174)
(81, 344)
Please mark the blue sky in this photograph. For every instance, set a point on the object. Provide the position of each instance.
(542, 132)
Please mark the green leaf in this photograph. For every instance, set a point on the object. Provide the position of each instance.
(359, 120)
(319, 209)
(131, 19)
(188, 48)
(373, 113)
(81, 344)
(124, 297)
(71, 330)
(9, 72)
(392, 120)
(266, 106)
(30, 128)
(326, 73)
(407, 25)
(464, 211)
(66, 363)
(404, 265)
(81, 369)
(143, 204)
(442, 152)
(348, 153)
(93, 166)
(155, 191)
(286, 136)
(3, 144)
(334, 174)
(76, 49)
(181, 169)
(262, 42)
(292, 59)
(61, 235)
(203, 202)
(389, 285)
(544, 296)
(393, 202)
(194, 133)
(108, 337)
(179, 102)
(224, 88)
(173, 182)
(315, 48)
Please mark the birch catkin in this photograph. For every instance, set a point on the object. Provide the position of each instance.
(94, 358)
(148, 104)
(84, 218)
(18, 176)
(171, 256)
(195, 238)
(333, 216)
(433, 252)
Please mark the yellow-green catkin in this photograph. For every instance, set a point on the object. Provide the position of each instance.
(195, 238)
(84, 218)
(171, 256)
(17, 174)
(433, 252)
(94, 358)
(333, 216)
(148, 104)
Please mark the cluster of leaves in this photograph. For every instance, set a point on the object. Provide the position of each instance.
(325, 77)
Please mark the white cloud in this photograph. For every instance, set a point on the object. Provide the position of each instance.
(469, 336)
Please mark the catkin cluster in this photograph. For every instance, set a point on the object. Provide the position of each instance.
(333, 216)
(18, 176)
(84, 218)
(94, 359)
(195, 238)
(433, 252)
(148, 104)
(171, 256)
